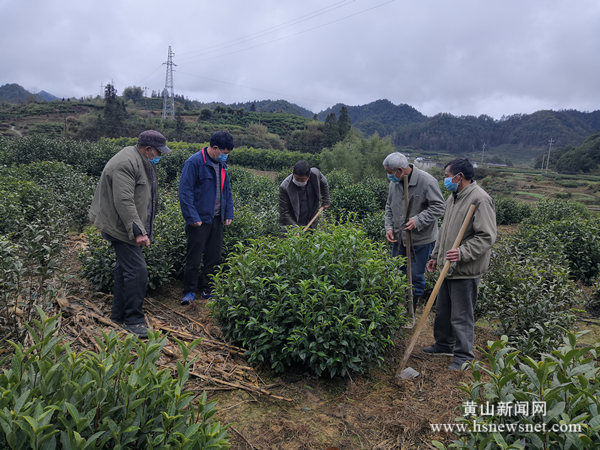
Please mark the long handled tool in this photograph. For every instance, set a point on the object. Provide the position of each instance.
(321, 209)
(409, 372)
(410, 304)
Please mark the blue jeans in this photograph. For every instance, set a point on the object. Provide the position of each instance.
(420, 255)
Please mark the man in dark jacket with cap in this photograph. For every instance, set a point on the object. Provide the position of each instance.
(123, 209)
(301, 195)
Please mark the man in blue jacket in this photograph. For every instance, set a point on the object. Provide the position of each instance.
(206, 204)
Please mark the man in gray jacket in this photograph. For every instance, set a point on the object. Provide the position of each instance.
(123, 209)
(454, 327)
(301, 195)
(425, 207)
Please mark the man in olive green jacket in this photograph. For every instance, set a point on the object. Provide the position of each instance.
(123, 209)
(454, 327)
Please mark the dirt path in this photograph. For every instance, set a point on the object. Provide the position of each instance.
(368, 411)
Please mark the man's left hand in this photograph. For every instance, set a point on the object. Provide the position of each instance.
(452, 255)
(228, 222)
(410, 225)
(324, 206)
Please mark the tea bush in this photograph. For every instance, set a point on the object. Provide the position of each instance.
(356, 198)
(327, 300)
(268, 159)
(565, 381)
(527, 296)
(30, 273)
(549, 210)
(43, 190)
(117, 398)
(510, 211)
(593, 302)
(87, 157)
(576, 238)
(252, 190)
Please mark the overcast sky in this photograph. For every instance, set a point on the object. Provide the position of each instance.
(495, 57)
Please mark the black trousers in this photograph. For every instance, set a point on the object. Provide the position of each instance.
(131, 278)
(207, 240)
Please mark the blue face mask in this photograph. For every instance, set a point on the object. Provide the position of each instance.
(154, 160)
(223, 157)
(449, 185)
(393, 178)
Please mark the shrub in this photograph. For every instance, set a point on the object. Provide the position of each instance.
(510, 211)
(327, 300)
(548, 210)
(564, 383)
(249, 189)
(593, 302)
(356, 198)
(339, 179)
(267, 159)
(88, 157)
(575, 237)
(165, 257)
(116, 398)
(362, 157)
(527, 295)
(373, 225)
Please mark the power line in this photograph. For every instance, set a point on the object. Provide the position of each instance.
(316, 27)
(255, 35)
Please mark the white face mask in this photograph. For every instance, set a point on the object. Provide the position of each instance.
(299, 183)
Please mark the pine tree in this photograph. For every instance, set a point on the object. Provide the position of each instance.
(332, 134)
(344, 124)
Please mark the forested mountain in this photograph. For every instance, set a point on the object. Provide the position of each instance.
(381, 116)
(13, 93)
(582, 158)
(448, 133)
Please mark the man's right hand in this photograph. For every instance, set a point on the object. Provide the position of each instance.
(142, 240)
(431, 265)
(196, 224)
(389, 235)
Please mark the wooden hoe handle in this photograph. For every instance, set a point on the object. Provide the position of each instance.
(438, 284)
(321, 209)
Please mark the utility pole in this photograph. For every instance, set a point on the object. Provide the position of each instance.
(550, 142)
(482, 153)
(168, 96)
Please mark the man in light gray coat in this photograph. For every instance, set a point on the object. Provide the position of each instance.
(454, 327)
(301, 195)
(123, 209)
(425, 206)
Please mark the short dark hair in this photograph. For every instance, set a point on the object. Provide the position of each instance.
(222, 139)
(461, 165)
(301, 168)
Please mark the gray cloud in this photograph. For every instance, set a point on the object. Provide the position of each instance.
(462, 57)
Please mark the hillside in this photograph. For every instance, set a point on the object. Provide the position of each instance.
(14, 93)
(582, 158)
(515, 139)
(380, 116)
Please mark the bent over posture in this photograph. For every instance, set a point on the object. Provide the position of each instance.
(301, 195)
